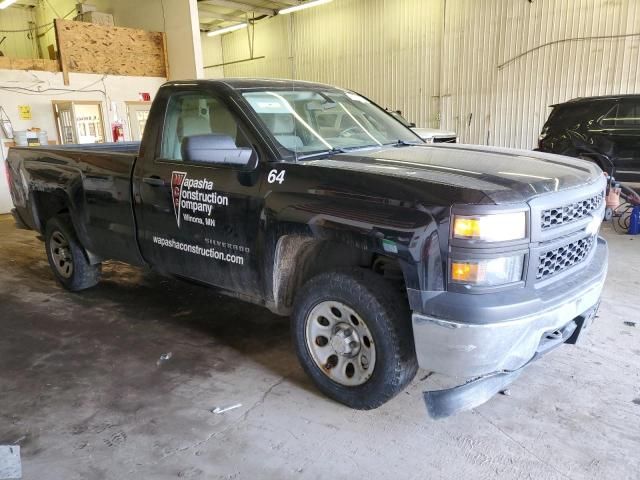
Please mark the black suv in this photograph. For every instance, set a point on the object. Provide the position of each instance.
(603, 129)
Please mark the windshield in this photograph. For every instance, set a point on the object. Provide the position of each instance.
(400, 118)
(312, 121)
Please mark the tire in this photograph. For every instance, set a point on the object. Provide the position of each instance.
(381, 365)
(67, 258)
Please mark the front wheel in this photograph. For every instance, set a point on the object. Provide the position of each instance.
(66, 256)
(353, 337)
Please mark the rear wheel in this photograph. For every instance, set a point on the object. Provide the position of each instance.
(353, 337)
(67, 258)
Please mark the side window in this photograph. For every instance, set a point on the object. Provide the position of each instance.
(193, 114)
(609, 120)
(628, 114)
(625, 114)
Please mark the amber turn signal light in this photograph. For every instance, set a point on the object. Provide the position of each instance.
(464, 272)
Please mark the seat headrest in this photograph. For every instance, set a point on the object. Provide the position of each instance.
(280, 123)
(224, 123)
(194, 122)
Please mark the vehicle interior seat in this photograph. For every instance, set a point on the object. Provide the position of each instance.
(193, 121)
(283, 127)
(223, 123)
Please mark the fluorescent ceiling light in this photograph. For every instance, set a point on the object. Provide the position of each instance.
(6, 3)
(302, 6)
(232, 28)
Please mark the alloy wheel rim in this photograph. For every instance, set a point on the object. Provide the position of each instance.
(340, 343)
(61, 254)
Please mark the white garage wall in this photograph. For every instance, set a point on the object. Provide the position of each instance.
(271, 41)
(486, 68)
(117, 90)
(212, 55)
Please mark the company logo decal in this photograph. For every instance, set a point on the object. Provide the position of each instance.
(177, 180)
(195, 199)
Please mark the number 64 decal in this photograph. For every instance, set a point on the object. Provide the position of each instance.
(276, 176)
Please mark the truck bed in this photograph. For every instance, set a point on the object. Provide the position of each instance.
(121, 147)
(97, 179)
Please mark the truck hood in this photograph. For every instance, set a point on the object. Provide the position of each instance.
(501, 175)
(425, 133)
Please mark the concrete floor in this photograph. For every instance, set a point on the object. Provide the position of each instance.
(83, 393)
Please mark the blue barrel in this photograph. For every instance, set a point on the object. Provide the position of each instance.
(634, 221)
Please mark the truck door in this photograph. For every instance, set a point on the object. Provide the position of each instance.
(198, 219)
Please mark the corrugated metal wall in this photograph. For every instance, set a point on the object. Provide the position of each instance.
(388, 50)
(17, 44)
(486, 68)
(505, 62)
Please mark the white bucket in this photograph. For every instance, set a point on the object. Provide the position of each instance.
(20, 137)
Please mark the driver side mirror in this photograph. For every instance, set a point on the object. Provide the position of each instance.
(215, 150)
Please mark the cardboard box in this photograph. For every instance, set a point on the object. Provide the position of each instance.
(98, 18)
(85, 8)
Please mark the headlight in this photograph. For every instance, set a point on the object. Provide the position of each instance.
(501, 227)
(488, 273)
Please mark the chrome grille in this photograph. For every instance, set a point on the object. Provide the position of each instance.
(554, 217)
(559, 259)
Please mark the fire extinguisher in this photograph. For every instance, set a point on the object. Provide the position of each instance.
(118, 132)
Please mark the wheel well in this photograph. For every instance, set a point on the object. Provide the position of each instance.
(47, 205)
(298, 259)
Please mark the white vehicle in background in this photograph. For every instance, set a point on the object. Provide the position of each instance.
(429, 135)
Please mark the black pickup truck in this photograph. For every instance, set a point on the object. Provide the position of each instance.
(388, 254)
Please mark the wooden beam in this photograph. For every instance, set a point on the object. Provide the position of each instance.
(26, 3)
(209, 11)
(240, 6)
(62, 57)
(166, 55)
(7, 63)
(226, 18)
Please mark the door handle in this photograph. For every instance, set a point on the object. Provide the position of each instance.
(154, 181)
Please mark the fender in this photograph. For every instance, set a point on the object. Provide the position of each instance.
(54, 186)
(357, 231)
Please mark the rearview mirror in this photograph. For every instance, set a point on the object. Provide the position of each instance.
(215, 149)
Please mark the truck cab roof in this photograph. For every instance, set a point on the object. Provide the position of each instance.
(255, 83)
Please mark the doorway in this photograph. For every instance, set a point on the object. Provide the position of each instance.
(79, 122)
(138, 114)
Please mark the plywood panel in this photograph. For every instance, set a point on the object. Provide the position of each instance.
(89, 48)
(41, 65)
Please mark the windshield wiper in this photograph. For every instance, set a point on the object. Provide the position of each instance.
(328, 153)
(402, 143)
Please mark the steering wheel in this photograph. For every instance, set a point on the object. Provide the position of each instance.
(345, 133)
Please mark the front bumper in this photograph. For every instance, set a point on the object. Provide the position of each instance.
(462, 347)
